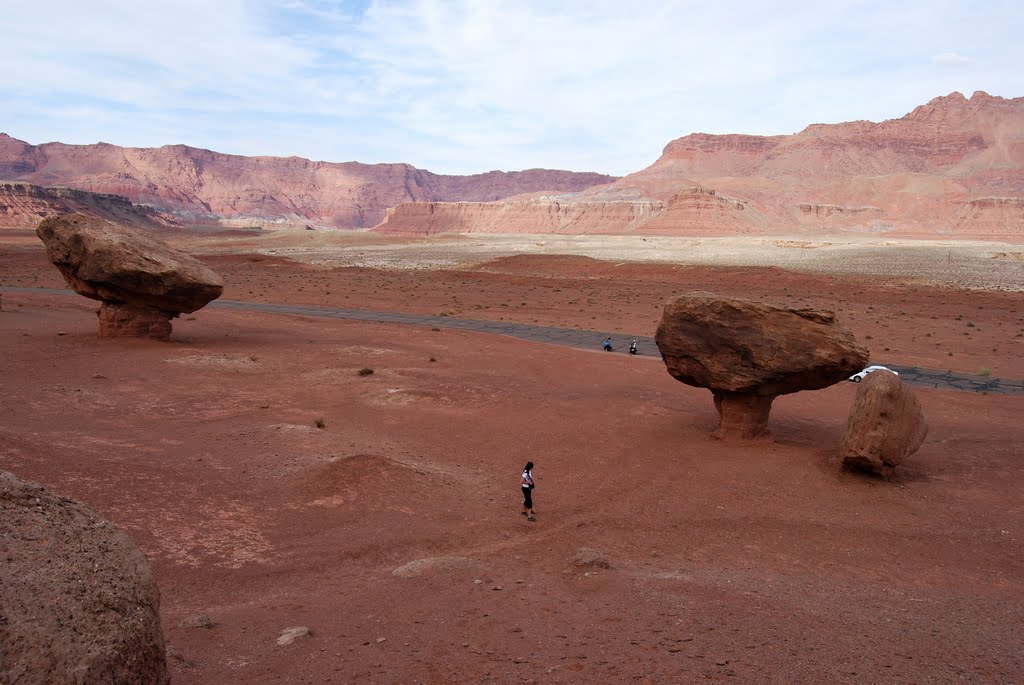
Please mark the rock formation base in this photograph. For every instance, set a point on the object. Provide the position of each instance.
(131, 321)
(742, 416)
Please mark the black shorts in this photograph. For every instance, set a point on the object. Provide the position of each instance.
(527, 497)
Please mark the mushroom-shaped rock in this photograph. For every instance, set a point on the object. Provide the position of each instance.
(886, 425)
(142, 282)
(748, 353)
(78, 603)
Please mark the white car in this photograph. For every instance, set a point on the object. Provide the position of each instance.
(861, 375)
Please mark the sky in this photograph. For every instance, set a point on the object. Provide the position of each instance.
(469, 86)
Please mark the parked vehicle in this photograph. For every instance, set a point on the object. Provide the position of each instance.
(861, 375)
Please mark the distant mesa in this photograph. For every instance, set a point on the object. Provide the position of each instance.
(748, 353)
(916, 176)
(142, 282)
(78, 601)
(886, 425)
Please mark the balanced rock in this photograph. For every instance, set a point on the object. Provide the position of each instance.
(748, 353)
(886, 425)
(142, 282)
(78, 603)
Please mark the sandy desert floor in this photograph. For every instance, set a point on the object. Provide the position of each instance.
(763, 563)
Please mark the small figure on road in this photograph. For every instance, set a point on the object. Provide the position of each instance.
(607, 344)
(528, 492)
(632, 346)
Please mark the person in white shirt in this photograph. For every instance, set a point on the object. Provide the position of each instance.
(528, 492)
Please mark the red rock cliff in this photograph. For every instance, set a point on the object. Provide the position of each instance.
(952, 167)
(204, 186)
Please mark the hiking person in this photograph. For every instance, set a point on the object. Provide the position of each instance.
(527, 485)
(632, 347)
(607, 344)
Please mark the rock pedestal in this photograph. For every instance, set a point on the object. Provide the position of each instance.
(78, 603)
(886, 425)
(748, 353)
(741, 415)
(142, 282)
(132, 321)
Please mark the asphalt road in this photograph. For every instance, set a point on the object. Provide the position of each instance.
(572, 337)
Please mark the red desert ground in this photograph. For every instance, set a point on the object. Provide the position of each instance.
(327, 491)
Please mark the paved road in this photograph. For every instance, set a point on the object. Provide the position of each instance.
(571, 337)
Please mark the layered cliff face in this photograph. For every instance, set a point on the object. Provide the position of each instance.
(954, 166)
(25, 205)
(203, 186)
(540, 215)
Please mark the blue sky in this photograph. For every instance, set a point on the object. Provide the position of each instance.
(468, 86)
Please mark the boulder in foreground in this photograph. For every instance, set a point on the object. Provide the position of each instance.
(78, 603)
(886, 425)
(748, 353)
(142, 282)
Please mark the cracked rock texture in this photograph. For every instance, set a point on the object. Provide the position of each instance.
(78, 602)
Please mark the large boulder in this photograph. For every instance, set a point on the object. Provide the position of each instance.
(142, 282)
(886, 425)
(748, 353)
(78, 603)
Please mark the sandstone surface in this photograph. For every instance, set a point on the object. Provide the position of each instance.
(886, 425)
(142, 282)
(953, 167)
(24, 204)
(201, 186)
(748, 353)
(78, 601)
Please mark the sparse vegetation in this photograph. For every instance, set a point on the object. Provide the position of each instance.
(365, 371)
(984, 371)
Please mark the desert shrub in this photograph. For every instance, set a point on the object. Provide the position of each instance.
(320, 423)
(984, 371)
(365, 371)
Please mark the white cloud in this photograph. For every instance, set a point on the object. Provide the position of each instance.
(951, 59)
(460, 86)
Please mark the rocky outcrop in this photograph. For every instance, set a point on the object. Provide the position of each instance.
(78, 603)
(698, 211)
(886, 425)
(142, 282)
(826, 211)
(203, 186)
(23, 205)
(542, 215)
(688, 212)
(985, 217)
(748, 353)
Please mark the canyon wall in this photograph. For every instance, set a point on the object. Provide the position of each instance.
(953, 167)
(200, 186)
